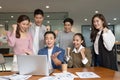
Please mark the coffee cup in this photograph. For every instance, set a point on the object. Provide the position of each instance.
(64, 67)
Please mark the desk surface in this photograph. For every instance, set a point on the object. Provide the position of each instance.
(8, 55)
(105, 74)
(117, 42)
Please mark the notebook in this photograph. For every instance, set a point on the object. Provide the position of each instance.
(33, 65)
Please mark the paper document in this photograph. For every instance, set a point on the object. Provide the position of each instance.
(47, 78)
(87, 75)
(65, 76)
(56, 78)
(15, 77)
(60, 76)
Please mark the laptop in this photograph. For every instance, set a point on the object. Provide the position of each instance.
(33, 65)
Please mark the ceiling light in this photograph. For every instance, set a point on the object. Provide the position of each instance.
(109, 23)
(47, 6)
(90, 29)
(1, 25)
(0, 7)
(48, 15)
(12, 16)
(85, 19)
(48, 21)
(96, 11)
(114, 19)
(6, 21)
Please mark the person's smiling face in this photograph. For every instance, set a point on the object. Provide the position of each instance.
(50, 40)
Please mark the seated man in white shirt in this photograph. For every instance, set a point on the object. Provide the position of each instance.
(54, 53)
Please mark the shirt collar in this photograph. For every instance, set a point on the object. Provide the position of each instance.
(75, 50)
(37, 25)
(99, 32)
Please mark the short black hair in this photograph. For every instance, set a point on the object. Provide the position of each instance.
(38, 11)
(68, 20)
(50, 32)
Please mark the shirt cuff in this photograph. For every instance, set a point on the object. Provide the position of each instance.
(84, 61)
(68, 58)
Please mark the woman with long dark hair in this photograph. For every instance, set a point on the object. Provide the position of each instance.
(103, 42)
(20, 39)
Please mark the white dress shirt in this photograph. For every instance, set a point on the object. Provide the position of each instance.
(49, 58)
(37, 33)
(96, 42)
(36, 40)
(108, 40)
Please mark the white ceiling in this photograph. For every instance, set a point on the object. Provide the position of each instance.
(78, 9)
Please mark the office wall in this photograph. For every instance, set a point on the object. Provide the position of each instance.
(77, 26)
(3, 38)
(117, 32)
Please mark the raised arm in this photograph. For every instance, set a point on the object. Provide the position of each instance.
(12, 36)
(109, 39)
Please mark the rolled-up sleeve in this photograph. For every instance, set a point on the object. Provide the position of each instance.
(84, 61)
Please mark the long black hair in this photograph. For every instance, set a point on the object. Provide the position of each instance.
(19, 20)
(94, 31)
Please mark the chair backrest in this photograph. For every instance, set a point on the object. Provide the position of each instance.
(2, 60)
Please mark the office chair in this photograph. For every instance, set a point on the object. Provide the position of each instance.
(2, 62)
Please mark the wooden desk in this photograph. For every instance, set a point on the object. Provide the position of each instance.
(118, 42)
(105, 74)
(8, 55)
